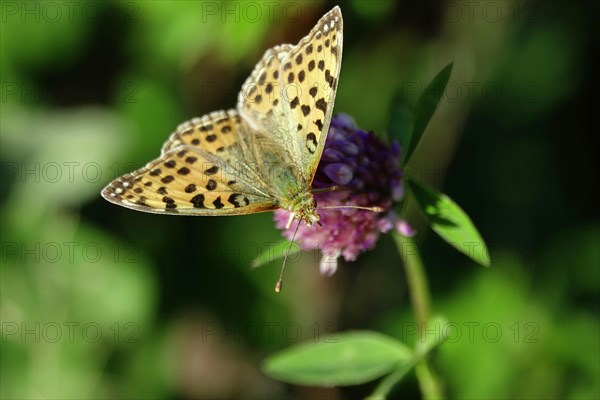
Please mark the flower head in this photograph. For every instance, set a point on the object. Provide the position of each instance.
(365, 172)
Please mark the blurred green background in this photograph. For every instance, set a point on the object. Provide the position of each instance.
(98, 301)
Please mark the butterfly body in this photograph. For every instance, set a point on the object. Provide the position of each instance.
(303, 207)
(289, 188)
(261, 156)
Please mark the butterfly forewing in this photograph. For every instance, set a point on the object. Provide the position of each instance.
(291, 91)
(310, 72)
(259, 100)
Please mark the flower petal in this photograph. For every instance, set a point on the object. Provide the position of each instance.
(339, 173)
(404, 228)
(329, 263)
(366, 172)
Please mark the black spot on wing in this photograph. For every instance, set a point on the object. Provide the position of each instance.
(305, 110)
(311, 142)
(238, 200)
(321, 105)
(218, 204)
(183, 171)
(211, 184)
(294, 103)
(198, 201)
(212, 170)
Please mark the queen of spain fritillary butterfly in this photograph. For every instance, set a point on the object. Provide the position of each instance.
(259, 157)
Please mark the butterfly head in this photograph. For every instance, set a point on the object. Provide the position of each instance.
(304, 208)
(309, 216)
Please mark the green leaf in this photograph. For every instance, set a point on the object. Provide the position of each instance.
(348, 358)
(449, 221)
(438, 331)
(275, 252)
(400, 126)
(425, 107)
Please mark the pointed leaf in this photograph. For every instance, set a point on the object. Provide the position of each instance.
(425, 107)
(449, 221)
(401, 122)
(348, 358)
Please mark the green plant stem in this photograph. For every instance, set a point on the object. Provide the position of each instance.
(415, 275)
(386, 385)
(419, 296)
(427, 381)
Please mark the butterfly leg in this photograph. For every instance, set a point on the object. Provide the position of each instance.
(289, 223)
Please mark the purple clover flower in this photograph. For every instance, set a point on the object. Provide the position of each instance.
(366, 173)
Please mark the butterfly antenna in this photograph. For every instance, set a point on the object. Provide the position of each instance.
(287, 253)
(374, 208)
(332, 189)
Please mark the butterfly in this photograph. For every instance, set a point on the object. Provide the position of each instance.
(261, 156)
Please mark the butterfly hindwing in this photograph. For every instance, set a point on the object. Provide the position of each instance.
(214, 133)
(188, 181)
